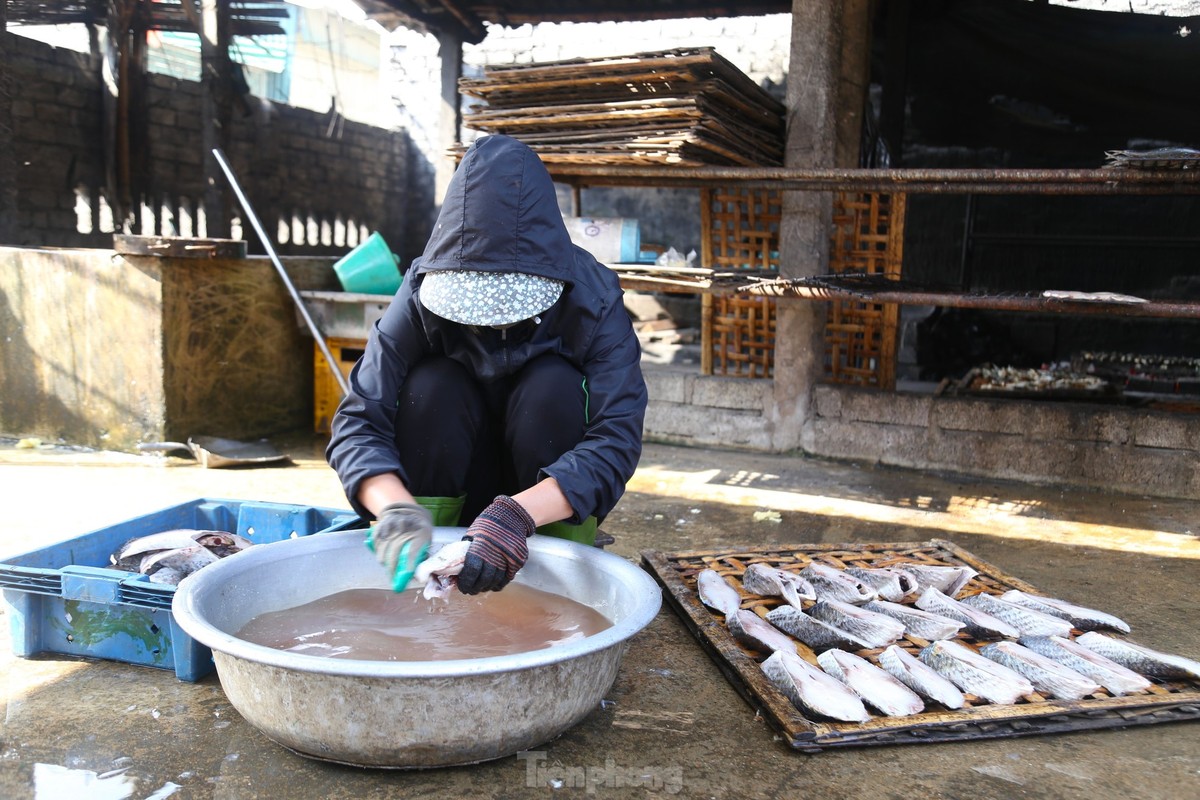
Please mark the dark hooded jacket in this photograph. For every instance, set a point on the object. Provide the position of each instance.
(501, 214)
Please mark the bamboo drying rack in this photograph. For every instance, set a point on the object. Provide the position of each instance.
(1165, 701)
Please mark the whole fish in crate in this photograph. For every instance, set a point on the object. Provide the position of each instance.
(811, 690)
(837, 584)
(1026, 620)
(1081, 617)
(923, 680)
(170, 556)
(975, 674)
(1112, 676)
(979, 624)
(875, 686)
(169, 567)
(767, 581)
(918, 623)
(1142, 660)
(1046, 674)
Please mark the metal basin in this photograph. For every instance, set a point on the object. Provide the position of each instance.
(408, 714)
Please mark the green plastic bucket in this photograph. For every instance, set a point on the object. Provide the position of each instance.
(584, 533)
(444, 510)
(370, 268)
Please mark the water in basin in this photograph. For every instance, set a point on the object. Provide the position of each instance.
(381, 625)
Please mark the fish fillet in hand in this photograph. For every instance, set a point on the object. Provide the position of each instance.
(437, 572)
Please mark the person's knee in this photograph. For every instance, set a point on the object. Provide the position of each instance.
(436, 376)
(553, 391)
(547, 414)
(439, 418)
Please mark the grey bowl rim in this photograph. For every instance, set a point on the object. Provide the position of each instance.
(190, 591)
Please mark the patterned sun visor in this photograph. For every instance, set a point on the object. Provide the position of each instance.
(487, 298)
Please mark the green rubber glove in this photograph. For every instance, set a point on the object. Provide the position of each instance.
(400, 540)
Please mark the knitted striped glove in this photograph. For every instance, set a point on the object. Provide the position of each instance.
(498, 548)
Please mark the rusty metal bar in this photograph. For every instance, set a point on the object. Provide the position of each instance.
(1167, 309)
(913, 181)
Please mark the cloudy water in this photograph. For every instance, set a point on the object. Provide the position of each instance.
(381, 625)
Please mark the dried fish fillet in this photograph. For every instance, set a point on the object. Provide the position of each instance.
(947, 580)
(813, 632)
(756, 633)
(1139, 658)
(975, 674)
(1026, 620)
(836, 584)
(923, 680)
(1047, 675)
(1081, 617)
(979, 624)
(1112, 676)
(890, 584)
(877, 630)
(716, 593)
(922, 624)
(877, 687)
(767, 581)
(811, 690)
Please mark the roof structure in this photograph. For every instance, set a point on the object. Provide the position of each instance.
(466, 18)
(247, 17)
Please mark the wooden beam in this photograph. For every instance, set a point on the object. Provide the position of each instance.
(8, 162)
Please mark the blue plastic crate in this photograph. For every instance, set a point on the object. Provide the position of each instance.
(66, 599)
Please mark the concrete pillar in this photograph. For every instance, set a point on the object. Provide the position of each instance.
(8, 161)
(216, 117)
(827, 82)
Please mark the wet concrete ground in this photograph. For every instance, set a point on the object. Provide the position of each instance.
(672, 723)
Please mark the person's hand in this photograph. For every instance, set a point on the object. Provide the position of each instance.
(400, 540)
(498, 548)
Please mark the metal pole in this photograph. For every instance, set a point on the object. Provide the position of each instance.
(287, 281)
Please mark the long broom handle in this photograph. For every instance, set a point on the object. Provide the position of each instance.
(287, 281)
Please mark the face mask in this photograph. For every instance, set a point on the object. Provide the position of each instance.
(476, 329)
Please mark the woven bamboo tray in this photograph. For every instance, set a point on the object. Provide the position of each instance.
(1165, 701)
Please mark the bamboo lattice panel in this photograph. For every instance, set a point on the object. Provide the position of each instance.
(741, 336)
(860, 337)
(1165, 701)
(739, 231)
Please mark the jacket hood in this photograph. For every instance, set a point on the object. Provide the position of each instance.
(500, 214)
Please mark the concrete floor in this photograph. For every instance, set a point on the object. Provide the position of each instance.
(671, 720)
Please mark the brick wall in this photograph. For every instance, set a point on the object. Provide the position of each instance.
(1115, 448)
(317, 187)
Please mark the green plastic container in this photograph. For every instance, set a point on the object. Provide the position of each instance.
(370, 268)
